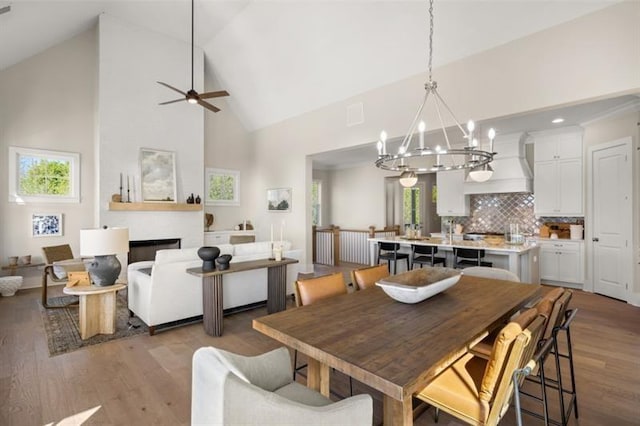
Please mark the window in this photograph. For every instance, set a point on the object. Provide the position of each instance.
(412, 206)
(37, 175)
(316, 199)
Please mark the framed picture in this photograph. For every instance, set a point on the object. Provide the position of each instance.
(46, 225)
(222, 187)
(158, 176)
(279, 200)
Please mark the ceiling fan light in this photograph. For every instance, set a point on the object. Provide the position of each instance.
(408, 179)
(481, 174)
(192, 101)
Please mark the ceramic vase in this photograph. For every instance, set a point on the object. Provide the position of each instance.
(208, 256)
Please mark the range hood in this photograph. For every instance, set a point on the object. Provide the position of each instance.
(511, 173)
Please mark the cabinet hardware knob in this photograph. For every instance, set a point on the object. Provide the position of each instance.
(595, 239)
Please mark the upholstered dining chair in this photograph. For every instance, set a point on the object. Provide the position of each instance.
(364, 278)
(59, 261)
(478, 391)
(495, 273)
(232, 389)
(556, 303)
(425, 255)
(390, 253)
(311, 290)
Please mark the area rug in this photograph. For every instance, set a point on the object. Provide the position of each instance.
(63, 329)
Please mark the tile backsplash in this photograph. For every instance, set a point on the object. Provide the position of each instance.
(493, 212)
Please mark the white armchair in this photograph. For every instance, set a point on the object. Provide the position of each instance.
(233, 389)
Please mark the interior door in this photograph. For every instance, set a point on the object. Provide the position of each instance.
(612, 210)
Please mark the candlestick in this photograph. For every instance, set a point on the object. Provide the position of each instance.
(271, 234)
(120, 186)
(281, 232)
(128, 196)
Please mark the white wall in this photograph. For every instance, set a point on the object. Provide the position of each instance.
(131, 60)
(358, 197)
(591, 57)
(49, 102)
(228, 147)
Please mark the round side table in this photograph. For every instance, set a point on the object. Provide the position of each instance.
(97, 308)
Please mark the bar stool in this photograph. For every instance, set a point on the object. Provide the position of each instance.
(389, 252)
(426, 256)
(464, 257)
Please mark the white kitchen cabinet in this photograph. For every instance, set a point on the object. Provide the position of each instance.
(451, 198)
(558, 181)
(562, 262)
(212, 238)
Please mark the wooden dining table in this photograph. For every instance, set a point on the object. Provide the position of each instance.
(393, 347)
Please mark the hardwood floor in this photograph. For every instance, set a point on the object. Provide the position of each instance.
(146, 380)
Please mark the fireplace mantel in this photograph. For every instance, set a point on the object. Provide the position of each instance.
(154, 207)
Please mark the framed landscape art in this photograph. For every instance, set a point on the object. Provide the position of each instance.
(158, 175)
(279, 200)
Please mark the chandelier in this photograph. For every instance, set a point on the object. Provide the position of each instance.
(411, 161)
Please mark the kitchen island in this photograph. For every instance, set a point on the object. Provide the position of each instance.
(522, 260)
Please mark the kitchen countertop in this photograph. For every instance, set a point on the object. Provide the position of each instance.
(440, 242)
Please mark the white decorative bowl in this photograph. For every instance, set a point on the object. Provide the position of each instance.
(9, 285)
(420, 284)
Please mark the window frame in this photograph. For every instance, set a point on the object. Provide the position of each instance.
(73, 158)
(317, 182)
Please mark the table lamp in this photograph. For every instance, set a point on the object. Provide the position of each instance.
(103, 244)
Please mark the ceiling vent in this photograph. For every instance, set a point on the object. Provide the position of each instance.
(355, 114)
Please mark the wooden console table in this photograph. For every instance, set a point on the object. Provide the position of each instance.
(212, 289)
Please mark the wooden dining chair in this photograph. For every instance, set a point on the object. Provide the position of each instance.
(53, 254)
(364, 278)
(478, 391)
(312, 290)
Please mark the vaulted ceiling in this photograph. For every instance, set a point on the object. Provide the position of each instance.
(279, 59)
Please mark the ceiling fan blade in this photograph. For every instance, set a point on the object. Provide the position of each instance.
(214, 94)
(172, 88)
(208, 106)
(170, 102)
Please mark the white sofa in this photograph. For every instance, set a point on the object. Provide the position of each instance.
(161, 291)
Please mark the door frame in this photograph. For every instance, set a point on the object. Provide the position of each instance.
(589, 284)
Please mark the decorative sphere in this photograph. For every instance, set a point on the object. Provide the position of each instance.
(208, 256)
(223, 262)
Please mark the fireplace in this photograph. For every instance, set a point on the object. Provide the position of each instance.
(146, 249)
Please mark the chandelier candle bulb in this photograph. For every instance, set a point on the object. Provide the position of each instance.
(383, 138)
(419, 159)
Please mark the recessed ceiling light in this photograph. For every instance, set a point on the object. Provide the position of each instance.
(557, 120)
